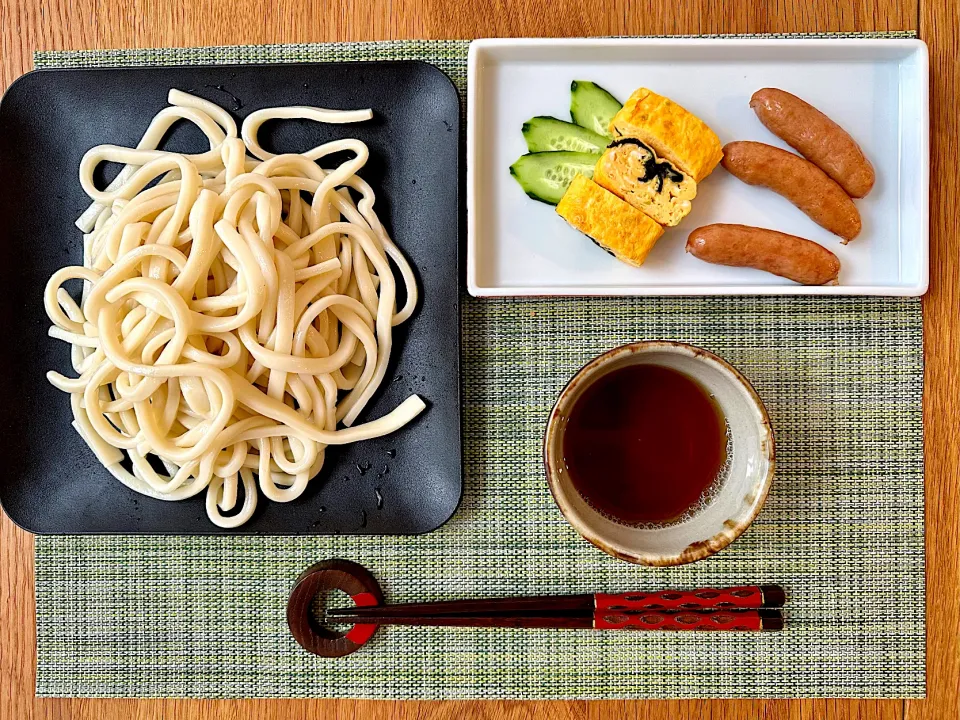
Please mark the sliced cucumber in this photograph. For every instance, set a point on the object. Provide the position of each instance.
(592, 107)
(544, 134)
(545, 176)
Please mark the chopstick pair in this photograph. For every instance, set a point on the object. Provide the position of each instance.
(747, 608)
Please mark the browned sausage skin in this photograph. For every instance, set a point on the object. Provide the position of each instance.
(798, 180)
(815, 136)
(794, 258)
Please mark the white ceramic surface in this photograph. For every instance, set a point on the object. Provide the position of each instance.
(742, 490)
(876, 89)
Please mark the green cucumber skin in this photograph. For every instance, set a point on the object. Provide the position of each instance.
(545, 176)
(546, 134)
(592, 107)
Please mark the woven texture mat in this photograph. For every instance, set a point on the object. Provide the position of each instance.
(842, 529)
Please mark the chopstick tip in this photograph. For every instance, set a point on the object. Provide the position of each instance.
(771, 620)
(773, 596)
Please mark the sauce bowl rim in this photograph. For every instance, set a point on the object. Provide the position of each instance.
(698, 550)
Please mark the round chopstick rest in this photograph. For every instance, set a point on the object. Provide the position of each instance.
(351, 578)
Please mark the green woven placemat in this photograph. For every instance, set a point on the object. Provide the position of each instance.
(842, 529)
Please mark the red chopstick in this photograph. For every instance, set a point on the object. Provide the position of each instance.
(739, 608)
(739, 619)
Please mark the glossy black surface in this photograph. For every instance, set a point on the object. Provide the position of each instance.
(409, 482)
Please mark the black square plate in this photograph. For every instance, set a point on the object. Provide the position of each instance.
(408, 482)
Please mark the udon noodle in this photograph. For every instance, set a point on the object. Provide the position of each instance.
(236, 306)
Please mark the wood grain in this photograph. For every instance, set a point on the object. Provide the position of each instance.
(28, 25)
(940, 27)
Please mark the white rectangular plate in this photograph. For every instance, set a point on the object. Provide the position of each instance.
(876, 89)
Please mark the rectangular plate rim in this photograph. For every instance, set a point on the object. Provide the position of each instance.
(475, 59)
(210, 530)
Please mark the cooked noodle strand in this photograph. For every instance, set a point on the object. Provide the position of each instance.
(234, 309)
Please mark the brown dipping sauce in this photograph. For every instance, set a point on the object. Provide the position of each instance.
(644, 443)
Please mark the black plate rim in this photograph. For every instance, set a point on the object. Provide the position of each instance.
(212, 530)
(245, 66)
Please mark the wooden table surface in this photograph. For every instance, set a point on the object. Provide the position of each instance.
(28, 25)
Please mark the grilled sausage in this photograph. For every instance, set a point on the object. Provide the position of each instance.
(794, 258)
(798, 180)
(815, 136)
